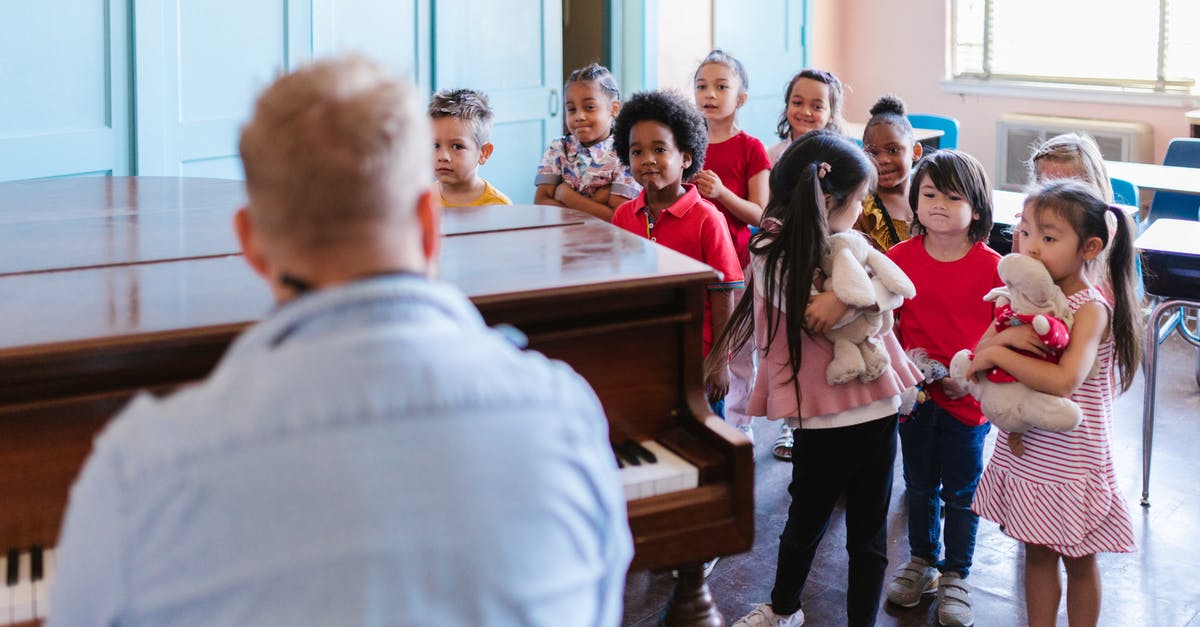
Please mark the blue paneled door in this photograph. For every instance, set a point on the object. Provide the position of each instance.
(768, 37)
(512, 51)
(64, 89)
(199, 67)
(396, 33)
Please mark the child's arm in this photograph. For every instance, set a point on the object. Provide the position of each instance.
(1061, 379)
(721, 304)
(566, 196)
(1021, 337)
(545, 196)
(605, 196)
(748, 210)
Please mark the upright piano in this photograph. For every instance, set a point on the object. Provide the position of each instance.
(111, 285)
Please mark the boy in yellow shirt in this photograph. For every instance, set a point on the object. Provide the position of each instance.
(462, 129)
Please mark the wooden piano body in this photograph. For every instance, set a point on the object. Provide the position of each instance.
(111, 285)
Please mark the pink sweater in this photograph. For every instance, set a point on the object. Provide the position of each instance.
(775, 394)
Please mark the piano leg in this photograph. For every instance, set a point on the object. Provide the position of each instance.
(691, 604)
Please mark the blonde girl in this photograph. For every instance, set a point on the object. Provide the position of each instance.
(812, 100)
(1061, 497)
(581, 170)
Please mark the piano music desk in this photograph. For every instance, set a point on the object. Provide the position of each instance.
(1171, 253)
(129, 283)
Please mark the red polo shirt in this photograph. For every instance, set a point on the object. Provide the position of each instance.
(694, 227)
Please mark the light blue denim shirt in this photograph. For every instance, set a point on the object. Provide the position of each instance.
(367, 455)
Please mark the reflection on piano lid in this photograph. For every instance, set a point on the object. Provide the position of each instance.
(27, 579)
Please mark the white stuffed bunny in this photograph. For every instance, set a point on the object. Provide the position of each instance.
(872, 285)
(1028, 297)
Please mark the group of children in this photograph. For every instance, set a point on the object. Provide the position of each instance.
(683, 174)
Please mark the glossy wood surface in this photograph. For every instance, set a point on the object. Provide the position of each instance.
(106, 221)
(1158, 177)
(91, 222)
(101, 303)
(625, 313)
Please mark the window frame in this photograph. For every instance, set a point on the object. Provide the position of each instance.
(1184, 90)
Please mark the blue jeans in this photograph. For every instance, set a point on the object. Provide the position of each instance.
(943, 458)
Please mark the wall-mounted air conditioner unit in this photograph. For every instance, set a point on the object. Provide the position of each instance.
(1018, 135)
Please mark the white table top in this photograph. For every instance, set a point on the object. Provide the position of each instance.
(1157, 177)
(855, 130)
(1006, 206)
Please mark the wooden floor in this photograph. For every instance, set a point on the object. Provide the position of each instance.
(1157, 586)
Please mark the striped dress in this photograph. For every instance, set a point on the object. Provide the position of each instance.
(1062, 493)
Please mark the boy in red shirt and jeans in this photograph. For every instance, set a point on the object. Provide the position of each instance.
(662, 138)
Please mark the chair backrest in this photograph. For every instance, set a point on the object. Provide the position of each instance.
(947, 125)
(1124, 192)
(1185, 152)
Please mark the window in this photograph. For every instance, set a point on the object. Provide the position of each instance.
(1133, 45)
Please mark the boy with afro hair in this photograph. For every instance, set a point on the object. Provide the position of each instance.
(662, 138)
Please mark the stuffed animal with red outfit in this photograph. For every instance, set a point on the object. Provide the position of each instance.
(1029, 296)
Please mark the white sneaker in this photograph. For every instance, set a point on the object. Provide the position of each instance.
(764, 616)
(747, 431)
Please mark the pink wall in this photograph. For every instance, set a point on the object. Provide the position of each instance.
(881, 46)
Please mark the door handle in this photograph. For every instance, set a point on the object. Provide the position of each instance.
(554, 102)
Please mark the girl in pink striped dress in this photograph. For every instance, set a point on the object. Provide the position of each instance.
(1060, 495)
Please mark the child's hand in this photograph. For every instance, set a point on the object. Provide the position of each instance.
(824, 310)
(602, 195)
(982, 363)
(718, 385)
(952, 389)
(708, 184)
(1020, 338)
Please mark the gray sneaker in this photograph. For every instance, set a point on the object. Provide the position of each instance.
(916, 578)
(954, 601)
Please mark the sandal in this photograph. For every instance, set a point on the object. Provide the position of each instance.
(783, 445)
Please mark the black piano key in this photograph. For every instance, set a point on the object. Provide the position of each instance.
(629, 456)
(620, 462)
(35, 563)
(14, 561)
(642, 452)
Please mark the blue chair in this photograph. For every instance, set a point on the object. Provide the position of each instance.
(947, 125)
(1124, 192)
(1182, 151)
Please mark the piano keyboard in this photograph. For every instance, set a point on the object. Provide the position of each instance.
(27, 575)
(649, 469)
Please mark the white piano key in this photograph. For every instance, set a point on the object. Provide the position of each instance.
(5, 591)
(43, 588)
(22, 594)
(669, 473)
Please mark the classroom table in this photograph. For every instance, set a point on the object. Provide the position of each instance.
(1007, 205)
(1168, 178)
(1171, 250)
(930, 138)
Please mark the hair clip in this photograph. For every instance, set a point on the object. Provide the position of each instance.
(823, 169)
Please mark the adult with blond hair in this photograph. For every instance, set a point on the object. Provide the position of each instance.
(368, 454)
